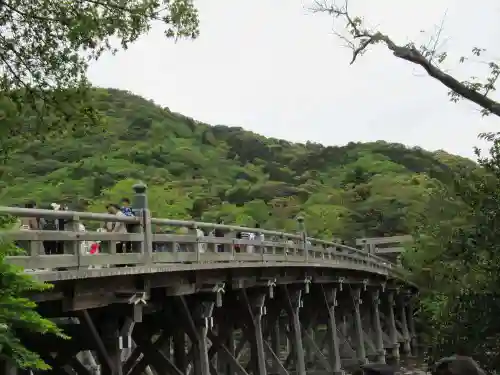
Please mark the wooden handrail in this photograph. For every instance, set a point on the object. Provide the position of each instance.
(147, 248)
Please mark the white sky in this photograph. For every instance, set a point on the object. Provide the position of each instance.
(272, 67)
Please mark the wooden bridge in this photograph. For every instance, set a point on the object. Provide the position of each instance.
(185, 304)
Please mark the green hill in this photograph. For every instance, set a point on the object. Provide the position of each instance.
(199, 171)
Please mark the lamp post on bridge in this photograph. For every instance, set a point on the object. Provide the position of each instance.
(140, 201)
(303, 236)
(141, 210)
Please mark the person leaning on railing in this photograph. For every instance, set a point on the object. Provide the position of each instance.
(219, 232)
(116, 226)
(127, 211)
(28, 223)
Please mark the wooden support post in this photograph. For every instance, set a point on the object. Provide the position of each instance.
(111, 340)
(98, 344)
(310, 320)
(203, 322)
(358, 325)
(276, 341)
(167, 348)
(404, 325)
(344, 328)
(225, 329)
(152, 354)
(411, 326)
(288, 344)
(231, 349)
(257, 311)
(377, 325)
(276, 331)
(141, 210)
(133, 361)
(393, 333)
(309, 349)
(330, 296)
(179, 344)
(293, 305)
(275, 337)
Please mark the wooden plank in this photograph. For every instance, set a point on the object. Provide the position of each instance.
(49, 235)
(383, 240)
(44, 261)
(389, 250)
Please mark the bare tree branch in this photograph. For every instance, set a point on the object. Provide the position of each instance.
(360, 38)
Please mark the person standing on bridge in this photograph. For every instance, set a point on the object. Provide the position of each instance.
(127, 211)
(60, 224)
(116, 226)
(219, 232)
(30, 223)
(52, 224)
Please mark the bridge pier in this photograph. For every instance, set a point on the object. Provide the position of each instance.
(330, 296)
(379, 341)
(411, 326)
(293, 304)
(358, 325)
(403, 312)
(111, 340)
(393, 333)
(179, 348)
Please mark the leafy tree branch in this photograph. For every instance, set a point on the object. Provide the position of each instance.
(359, 38)
(46, 46)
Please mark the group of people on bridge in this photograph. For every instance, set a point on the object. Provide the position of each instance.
(121, 210)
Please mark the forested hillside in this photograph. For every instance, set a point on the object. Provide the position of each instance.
(199, 171)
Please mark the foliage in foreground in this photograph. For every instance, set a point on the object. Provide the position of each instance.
(18, 313)
(45, 49)
(458, 260)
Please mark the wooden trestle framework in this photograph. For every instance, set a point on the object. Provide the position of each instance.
(277, 329)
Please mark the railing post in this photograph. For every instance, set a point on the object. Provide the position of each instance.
(379, 339)
(303, 236)
(393, 333)
(411, 326)
(140, 208)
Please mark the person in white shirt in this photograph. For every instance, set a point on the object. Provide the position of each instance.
(202, 247)
(116, 226)
(250, 237)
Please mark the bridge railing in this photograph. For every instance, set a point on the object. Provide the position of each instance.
(147, 244)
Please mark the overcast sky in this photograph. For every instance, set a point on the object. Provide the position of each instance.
(272, 67)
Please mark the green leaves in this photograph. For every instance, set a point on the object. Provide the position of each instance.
(359, 38)
(456, 257)
(18, 314)
(45, 49)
